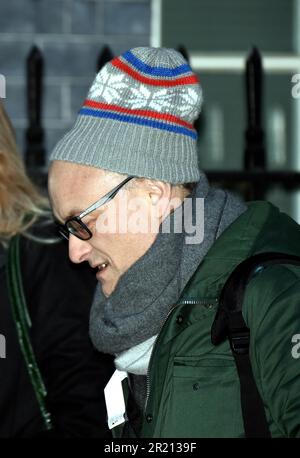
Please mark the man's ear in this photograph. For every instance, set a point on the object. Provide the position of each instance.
(160, 195)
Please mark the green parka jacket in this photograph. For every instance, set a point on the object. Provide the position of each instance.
(193, 386)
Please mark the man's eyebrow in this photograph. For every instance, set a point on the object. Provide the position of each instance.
(73, 213)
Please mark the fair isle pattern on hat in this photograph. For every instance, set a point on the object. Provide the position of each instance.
(145, 91)
(138, 118)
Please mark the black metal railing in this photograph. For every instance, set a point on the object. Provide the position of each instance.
(253, 181)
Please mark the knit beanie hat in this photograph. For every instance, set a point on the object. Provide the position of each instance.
(138, 118)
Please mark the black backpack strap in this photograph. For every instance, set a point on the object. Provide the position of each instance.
(23, 324)
(229, 323)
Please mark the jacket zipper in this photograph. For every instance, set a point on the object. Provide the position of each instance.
(185, 302)
(151, 357)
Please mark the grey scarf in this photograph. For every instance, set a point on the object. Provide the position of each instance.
(145, 294)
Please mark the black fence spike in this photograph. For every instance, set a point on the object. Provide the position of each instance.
(34, 150)
(254, 158)
(105, 56)
(182, 49)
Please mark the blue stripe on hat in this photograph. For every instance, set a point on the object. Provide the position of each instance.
(155, 71)
(140, 121)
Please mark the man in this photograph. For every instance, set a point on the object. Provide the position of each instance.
(51, 377)
(163, 263)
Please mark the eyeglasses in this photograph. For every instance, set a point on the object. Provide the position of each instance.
(75, 226)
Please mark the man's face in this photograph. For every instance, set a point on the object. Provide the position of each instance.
(73, 188)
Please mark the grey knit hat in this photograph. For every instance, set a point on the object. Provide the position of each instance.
(138, 118)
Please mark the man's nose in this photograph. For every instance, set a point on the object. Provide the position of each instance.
(79, 250)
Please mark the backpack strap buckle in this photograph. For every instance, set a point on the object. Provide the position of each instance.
(240, 341)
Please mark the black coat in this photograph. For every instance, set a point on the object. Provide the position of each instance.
(58, 295)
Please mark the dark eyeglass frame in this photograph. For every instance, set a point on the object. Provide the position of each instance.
(66, 229)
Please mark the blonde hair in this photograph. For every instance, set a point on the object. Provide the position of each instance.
(20, 202)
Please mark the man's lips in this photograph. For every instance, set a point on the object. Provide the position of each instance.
(101, 271)
(101, 268)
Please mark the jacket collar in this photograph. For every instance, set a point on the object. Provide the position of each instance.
(235, 244)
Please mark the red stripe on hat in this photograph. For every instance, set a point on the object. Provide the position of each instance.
(148, 113)
(143, 79)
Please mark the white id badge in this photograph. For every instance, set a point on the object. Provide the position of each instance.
(114, 399)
